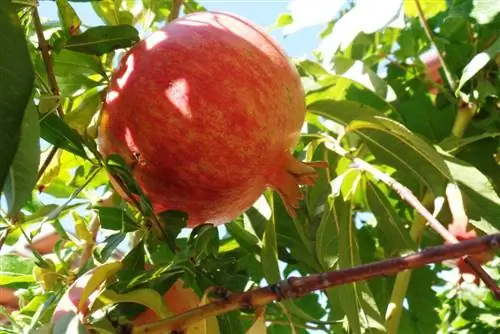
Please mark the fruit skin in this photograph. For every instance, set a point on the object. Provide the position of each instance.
(206, 111)
(178, 299)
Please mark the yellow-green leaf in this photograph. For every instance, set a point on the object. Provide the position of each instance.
(97, 276)
(430, 8)
(147, 297)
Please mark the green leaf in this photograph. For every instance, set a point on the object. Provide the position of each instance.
(23, 172)
(108, 10)
(111, 243)
(205, 241)
(55, 131)
(147, 297)
(453, 144)
(341, 112)
(76, 72)
(422, 301)
(16, 84)
(116, 219)
(430, 8)
(352, 80)
(103, 39)
(35, 303)
(269, 252)
(327, 234)
(84, 108)
(355, 299)
(283, 20)
(481, 201)
(15, 269)
(68, 17)
(135, 258)
(173, 221)
(348, 258)
(242, 230)
(361, 73)
(420, 114)
(388, 219)
(478, 62)
(396, 146)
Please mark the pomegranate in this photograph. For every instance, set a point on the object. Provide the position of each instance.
(206, 111)
(178, 299)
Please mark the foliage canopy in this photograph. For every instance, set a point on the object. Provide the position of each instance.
(377, 86)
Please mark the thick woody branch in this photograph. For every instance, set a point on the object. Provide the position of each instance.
(413, 201)
(298, 287)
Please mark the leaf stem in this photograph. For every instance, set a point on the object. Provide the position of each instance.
(428, 31)
(3, 238)
(47, 60)
(46, 162)
(297, 287)
(95, 224)
(175, 10)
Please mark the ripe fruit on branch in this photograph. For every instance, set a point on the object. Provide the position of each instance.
(206, 111)
(178, 299)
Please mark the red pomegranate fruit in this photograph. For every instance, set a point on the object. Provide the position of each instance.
(206, 112)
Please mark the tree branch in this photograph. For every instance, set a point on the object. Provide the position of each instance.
(297, 287)
(406, 195)
(428, 31)
(47, 60)
(175, 10)
(46, 162)
(95, 224)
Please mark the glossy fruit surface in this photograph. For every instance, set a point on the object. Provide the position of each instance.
(206, 111)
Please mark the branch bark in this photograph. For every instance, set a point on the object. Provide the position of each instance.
(47, 60)
(49, 67)
(297, 287)
(408, 197)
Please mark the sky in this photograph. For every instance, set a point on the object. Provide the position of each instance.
(262, 12)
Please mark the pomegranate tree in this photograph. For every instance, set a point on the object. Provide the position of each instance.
(206, 112)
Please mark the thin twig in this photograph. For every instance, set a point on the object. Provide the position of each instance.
(95, 224)
(3, 238)
(483, 276)
(46, 162)
(404, 193)
(298, 287)
(449, 77)
(47, 60)
(175, 11)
